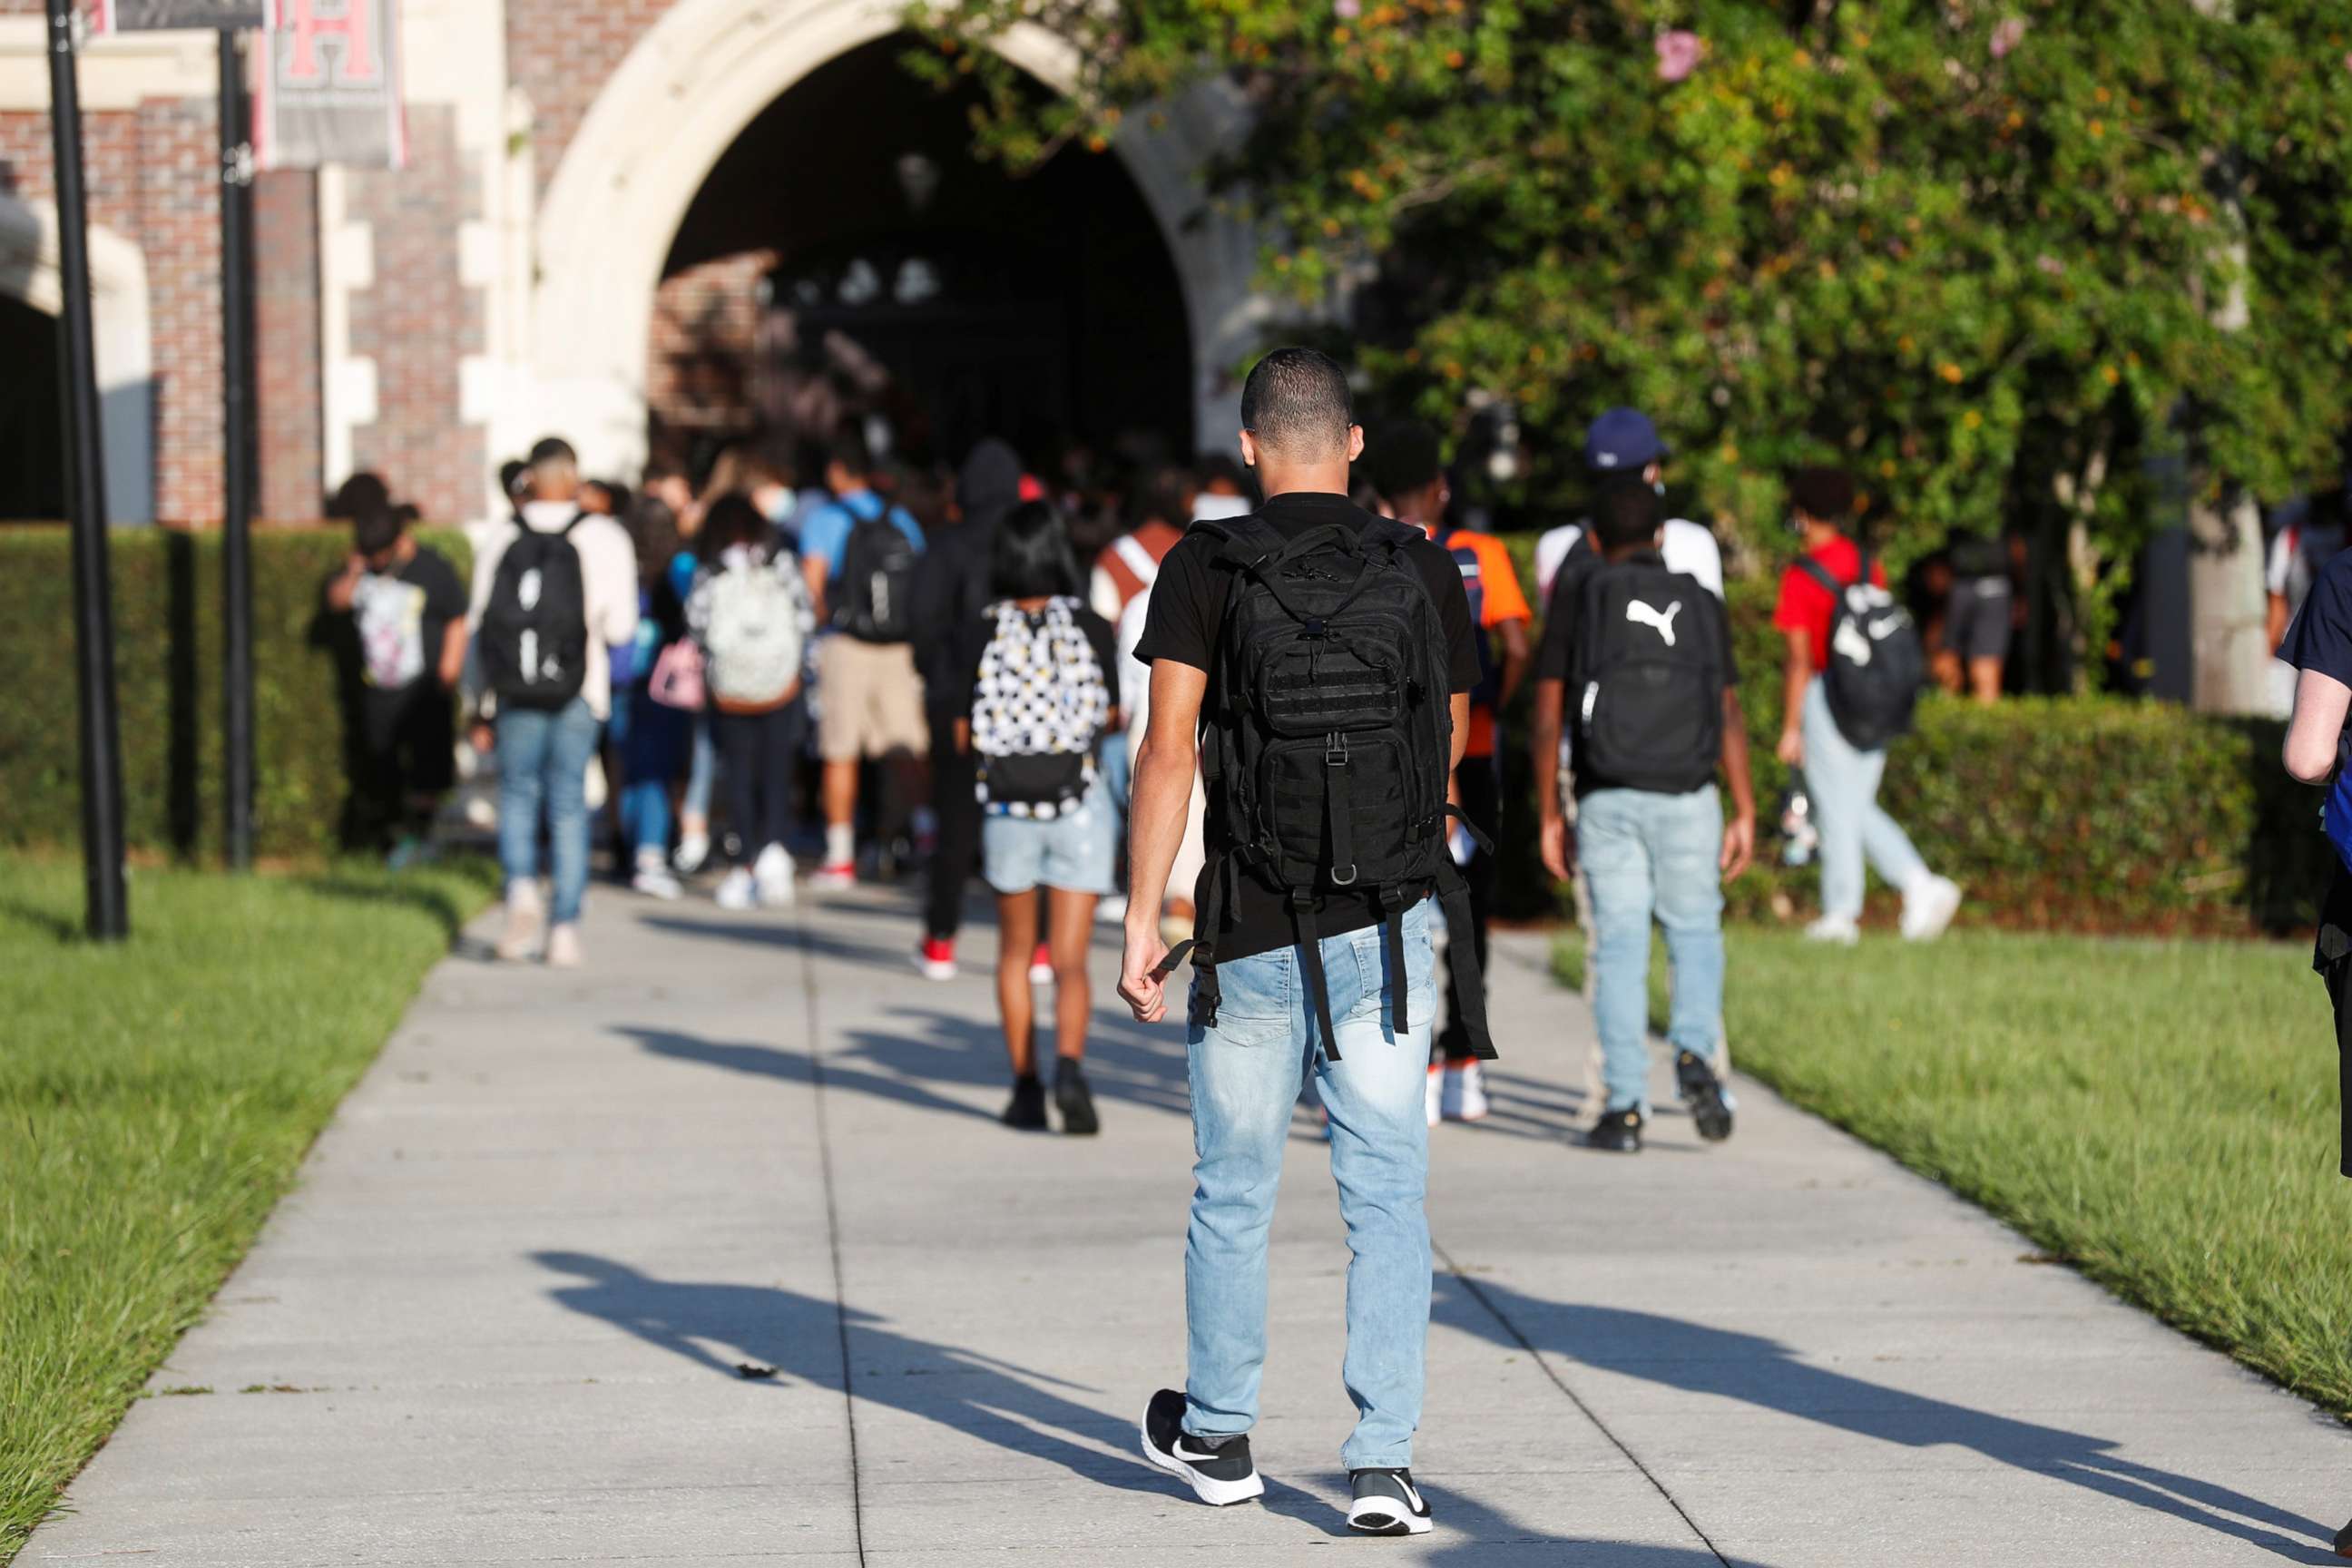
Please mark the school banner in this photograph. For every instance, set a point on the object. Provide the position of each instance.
(329, 89)
(172, 15)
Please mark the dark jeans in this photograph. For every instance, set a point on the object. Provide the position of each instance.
(758, 752)
(1481, 781)
(954, 778)
(407, 743)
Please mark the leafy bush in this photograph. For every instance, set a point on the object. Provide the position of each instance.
(168, 675)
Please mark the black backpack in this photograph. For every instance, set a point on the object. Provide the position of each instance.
(1877, 665)
(877, 581)
(1649, 678)
(534, 631)
(1327, 734)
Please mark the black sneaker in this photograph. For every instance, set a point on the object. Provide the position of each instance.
(1218, 1470)
(1387, 1503)
(1073, 1100)
(1710, 1103)
(2344, 1541)
(1028, 1111)
(1619, 1131)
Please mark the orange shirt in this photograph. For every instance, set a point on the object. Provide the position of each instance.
(1493, 585)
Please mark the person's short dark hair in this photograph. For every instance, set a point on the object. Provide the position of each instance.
(376, 529)
(1404, 458)
(553, 449)
(1220, 467)
(514, 478)
(653, 530)
(732, 520)
(1824, 493)
(1296, 400)
(360, 494)
(848, 450)
(1625, 514)
(657, 471)
(1160, 498)
(1031, 556)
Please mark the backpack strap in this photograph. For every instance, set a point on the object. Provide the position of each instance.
(1461, 957)
(1392, 907)
(1824, 576)
(1310, 955)
(1339, 807)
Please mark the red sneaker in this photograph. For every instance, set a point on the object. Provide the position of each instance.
(1041, 966)
(936, 958)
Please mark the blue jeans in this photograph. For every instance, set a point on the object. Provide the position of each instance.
(1246, 1078)
(652, 742)
(1843, 784)
(702, 770)
(543, 763)
(1648, 854)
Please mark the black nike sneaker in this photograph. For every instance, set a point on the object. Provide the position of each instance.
(1619, 1131)
(1074, 1100)
(1218, 1470)
(1026, 1112)
(1710, 1103)
(1387, 1503)
(2344, 1541)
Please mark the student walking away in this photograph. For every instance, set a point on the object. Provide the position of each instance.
(1124, 571)
(1408, 471)
(554, 590)
(951, 588)
(1033, 706)
(1641, 655)
(860, 559)
(1852, 677)
(2318, 648)
(2310, 535)
(1621, 444)
(751, 615)
(1978, 613)
(654, 712)
(408, 617)
(1315, 662)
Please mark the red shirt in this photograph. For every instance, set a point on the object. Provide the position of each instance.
(1806, 607)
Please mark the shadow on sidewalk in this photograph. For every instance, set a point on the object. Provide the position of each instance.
(717, 1326)
(1758, 1372)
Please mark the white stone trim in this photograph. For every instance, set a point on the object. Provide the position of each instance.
(117, 73)
(123, 340)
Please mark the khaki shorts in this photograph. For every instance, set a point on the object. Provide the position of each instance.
(869, 702)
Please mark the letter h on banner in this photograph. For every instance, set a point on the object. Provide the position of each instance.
(353, 23)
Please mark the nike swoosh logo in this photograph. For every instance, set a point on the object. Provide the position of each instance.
(1191, 1456)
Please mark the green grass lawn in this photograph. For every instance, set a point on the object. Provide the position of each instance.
(2160, 1115)
(155, 1101)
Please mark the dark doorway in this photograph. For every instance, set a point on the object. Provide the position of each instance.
(32, 416)
(915, 278)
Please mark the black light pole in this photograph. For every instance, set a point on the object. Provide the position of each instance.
(237, 377)
(102, 746)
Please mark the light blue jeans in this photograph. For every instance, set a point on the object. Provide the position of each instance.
(1647, 854)
(1245, 1077)
(543, 763)
(1843, 784)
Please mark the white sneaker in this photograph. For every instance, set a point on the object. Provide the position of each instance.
(1112, 911)
(773, 877)
(693, 851)
(525, 911)
(563, 947)
(1464, 1098)
(1436, 1095)
(1928, 908)
(653, 877)
(738, 891)
(1834, 929)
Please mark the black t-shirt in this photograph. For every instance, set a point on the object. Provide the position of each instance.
(1556, 655)
(1187, 611)
(971, 639)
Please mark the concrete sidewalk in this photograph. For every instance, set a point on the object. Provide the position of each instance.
(501, 1320)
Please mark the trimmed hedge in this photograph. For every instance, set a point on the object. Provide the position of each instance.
(168, 675)
(2096, 812)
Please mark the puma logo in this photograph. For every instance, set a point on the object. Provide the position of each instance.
(1642, 615)
(1879, 628)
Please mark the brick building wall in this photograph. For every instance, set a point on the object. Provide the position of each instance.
(420, 322)
(560, 53)
(706, 336)
(286, 344)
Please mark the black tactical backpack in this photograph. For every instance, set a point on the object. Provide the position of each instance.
(876, 595)
(534, 633)
(1876, 664)
(1650, 676)
(1327, 738)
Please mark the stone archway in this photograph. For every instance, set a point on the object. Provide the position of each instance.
(117, 270)
(701, 76)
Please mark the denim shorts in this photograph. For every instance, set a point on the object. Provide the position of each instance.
(1077, 852)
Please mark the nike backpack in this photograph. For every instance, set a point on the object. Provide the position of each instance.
(534, 631)
(752, 636)
(1876, 664)
(1326, 742)
(1650, 679)
(877, 581)
(1040, 699)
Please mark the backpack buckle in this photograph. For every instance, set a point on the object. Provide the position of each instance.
(1334, 751)
(1344, 879)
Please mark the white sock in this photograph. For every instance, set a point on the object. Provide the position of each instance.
(840, 844)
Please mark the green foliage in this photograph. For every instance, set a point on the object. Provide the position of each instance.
(157, 1097)
(168, 676)
(1975, 250)
(2160, 1115)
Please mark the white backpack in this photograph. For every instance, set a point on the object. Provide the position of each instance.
(751, 634)
(1041, 699)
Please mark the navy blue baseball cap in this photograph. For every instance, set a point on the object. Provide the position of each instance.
(1622, 441)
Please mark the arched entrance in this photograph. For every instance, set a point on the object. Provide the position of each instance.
(670, 113)
(873, 260)
(32, 416)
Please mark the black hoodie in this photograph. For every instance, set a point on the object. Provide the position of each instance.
(951, 581)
